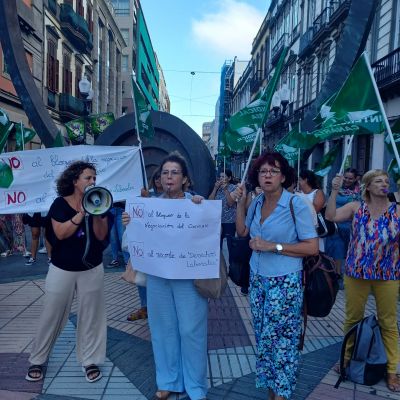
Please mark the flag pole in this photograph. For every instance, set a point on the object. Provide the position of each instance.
(385, 120)
(22, 136)
(347, 152)
(144, 176)
(246, 170)
(224, 164)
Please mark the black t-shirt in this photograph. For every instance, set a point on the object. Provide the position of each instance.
(67, 254)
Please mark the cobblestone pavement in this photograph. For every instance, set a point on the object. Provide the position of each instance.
(128, 372)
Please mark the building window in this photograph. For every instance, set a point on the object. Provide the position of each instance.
(79, 8)
(52, 67)
(89, 17)
(78, 76)
(307, 85)
(323, 71)
(125, 35)
(121, 7)
(125, 63)
(67, 74)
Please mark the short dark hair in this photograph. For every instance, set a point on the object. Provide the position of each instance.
(176, 157)
(270, 158)
(65, 182)
(352, 171)
(311, 178)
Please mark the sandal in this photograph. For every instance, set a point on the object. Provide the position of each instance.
(34, 370)
(393, 382)
(162, 395)
(139, 314)
(92, 373)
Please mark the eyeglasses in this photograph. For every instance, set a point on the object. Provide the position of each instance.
(272, 172)
(173, 172)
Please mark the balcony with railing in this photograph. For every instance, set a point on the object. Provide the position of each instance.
(277, 49)
(338, 11)
(306, 42)
(76, 29)
(70, 106)
(53, 6)
(256, 81)
(387, 72)
(321, 25)
(51, 99)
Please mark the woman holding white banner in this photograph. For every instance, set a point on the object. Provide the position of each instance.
(279, 240)
(75, 267)
(177, 312)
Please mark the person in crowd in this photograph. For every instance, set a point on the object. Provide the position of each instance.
(372, 264)
(310, 189)
(155, 190)
(336, 245)
(155, 187)
(116, 233)
(276, 296)
(13, 234)
(177, 312)
(394, 197)
(36, 222)
(75, 267)
(223, 190)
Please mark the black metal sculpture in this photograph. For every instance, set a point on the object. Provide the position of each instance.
(171, 134)
(18, 68)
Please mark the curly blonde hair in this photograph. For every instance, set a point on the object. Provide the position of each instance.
(367, 179)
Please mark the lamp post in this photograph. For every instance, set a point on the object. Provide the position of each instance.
(85, 89)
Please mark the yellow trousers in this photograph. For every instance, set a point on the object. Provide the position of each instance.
(386, 295)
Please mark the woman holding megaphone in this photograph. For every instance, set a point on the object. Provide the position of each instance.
(78, 241)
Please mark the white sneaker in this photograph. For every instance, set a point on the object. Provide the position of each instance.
(27, 254)
(42, 250)
(31, 261)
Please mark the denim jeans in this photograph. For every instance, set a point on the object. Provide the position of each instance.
(116, 235)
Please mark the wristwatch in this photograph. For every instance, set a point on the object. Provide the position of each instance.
(279, 248)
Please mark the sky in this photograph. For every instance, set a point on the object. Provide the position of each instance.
(192, 39)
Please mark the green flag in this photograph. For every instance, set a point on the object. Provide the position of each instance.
(76, 130)
(142, 111)
(58, 141)
(6, 175)
(243, 125)
(23, 135)
(100, 122)
(327, 161)
(5, 128)
(355, 109)
(324, 112)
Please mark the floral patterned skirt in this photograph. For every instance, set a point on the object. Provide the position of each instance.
(276, 306)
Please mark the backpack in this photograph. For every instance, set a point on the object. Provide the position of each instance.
(367, 365)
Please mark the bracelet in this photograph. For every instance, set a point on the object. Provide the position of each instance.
(74, 222)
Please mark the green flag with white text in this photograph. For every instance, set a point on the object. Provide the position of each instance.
(142, 111)
(23, 135)
(355, 108)
(243, 126)
(100, 122)
(5, 128)
(327, 161)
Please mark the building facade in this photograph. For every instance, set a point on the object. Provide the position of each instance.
(64, 41)
(311, 29)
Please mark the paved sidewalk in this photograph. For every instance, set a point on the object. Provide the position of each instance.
(128, 372)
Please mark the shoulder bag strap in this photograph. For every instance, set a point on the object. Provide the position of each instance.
(303, 333)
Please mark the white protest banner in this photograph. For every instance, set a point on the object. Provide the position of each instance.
(32, 185)
(175, 239)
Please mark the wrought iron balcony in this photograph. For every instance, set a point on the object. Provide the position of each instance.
(338, 11)
(70, 106)
(75, 28)
(305, 42)
(387, 70)
(51, 99)
(277, 49)
(321, 23)
(53, 6)
(256, 81)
